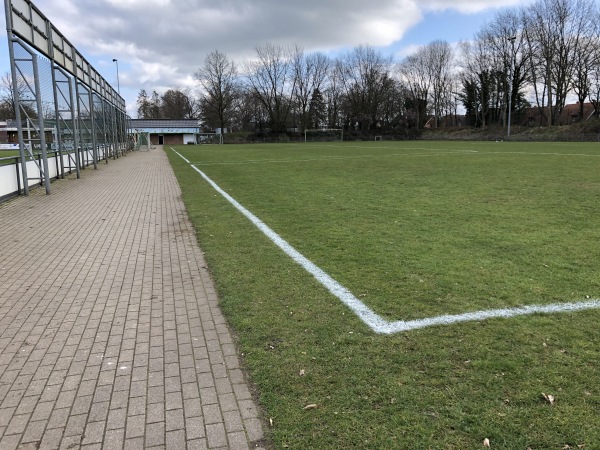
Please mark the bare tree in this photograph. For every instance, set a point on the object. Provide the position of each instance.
(505, 42)
(414, 76)
(218, 79)
(7, 99)
(271, 79)
(177, 103)
(154, 107)
(586, 65)
(334, 96)
(595, 89)
(310, 72)
(143, 105)
(438, 59)
(555, 31)
(365, 74)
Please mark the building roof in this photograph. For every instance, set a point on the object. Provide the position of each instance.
(164, 123)
(569, 114)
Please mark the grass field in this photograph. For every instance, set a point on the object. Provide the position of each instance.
(7, 156)
(413, 230)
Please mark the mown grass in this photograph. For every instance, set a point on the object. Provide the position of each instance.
(413, 230)
(7, 156)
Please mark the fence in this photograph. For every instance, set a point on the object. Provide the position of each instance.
(11, 169)
(67, 116)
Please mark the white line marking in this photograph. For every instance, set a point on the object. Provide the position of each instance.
(377, 323)
(181, 156)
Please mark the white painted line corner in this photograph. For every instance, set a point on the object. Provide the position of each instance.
(377, 323)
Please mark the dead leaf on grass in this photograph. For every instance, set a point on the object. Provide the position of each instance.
(311, 406)
(549, 398)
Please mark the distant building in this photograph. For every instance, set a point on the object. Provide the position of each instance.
(569, 114)
(9, 132)
(3, 133)
(167, 131)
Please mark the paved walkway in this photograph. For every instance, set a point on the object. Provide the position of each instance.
(110, 332)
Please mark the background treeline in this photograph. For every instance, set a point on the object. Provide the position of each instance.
(533, 58)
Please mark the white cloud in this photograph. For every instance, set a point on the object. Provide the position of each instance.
(469, 6)
(161, 43)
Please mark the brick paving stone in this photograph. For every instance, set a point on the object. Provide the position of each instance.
(10, 442)
(155, 434)
(116, 419)
(194, 428)
(34, 432)
(192, 408)
(135, 426)
(136, 406)
(237, 441)
(111, 337)
(197, 444)
(76, 425)
(59, 418)
(94, 433)
(212, 414)
(176, 439)
(233, 421)
(215, 433)
(98, 412)
(42, 411)
(174, 420)
(17, 425)
(134, 444)
(253, 429)
(52, 438)
(114, 439)
(6, 415)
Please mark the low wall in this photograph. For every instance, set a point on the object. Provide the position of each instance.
(11, 183)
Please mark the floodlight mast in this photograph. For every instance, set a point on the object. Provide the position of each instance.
(510, 81)
(118, 84)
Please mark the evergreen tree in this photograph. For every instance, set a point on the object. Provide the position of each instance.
(317, 110)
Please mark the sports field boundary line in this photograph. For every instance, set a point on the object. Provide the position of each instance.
(373, 320)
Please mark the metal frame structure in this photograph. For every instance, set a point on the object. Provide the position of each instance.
(324, 130)
(87, 118)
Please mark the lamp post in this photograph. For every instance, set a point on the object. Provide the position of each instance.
(118, 85)
(510, 81)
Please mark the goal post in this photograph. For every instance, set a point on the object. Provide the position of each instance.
(324, 135)
(209, 138)
(140, 139)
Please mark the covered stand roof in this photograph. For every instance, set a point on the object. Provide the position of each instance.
(165, 126)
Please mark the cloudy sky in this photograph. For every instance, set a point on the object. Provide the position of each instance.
(161, 43)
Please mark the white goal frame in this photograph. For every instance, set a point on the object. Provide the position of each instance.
(141, 139)
(199, 139)
(329, 130)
